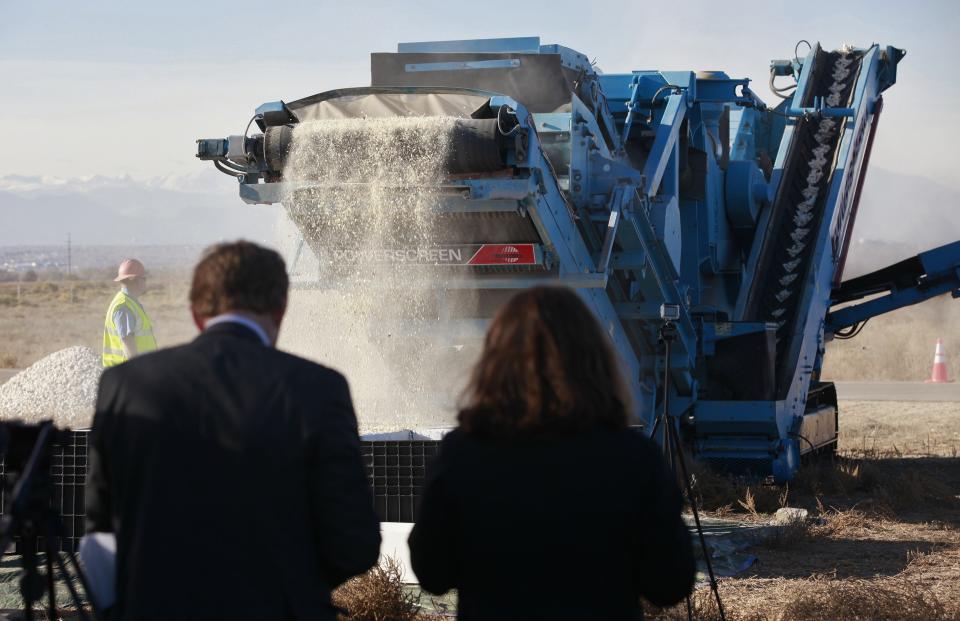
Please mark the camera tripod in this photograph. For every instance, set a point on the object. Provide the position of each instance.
(27, 451)
(673, 452)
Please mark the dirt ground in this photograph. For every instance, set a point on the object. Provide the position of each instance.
(39, 318)
(907, 428)
(47, 316)
(883, 541)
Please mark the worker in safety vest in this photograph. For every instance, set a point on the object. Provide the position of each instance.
(127, 329)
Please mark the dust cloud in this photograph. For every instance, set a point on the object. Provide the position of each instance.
(368, 311)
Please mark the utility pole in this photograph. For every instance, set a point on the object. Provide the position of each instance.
(69, 256)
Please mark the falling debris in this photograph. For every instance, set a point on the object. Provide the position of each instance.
(375, 186)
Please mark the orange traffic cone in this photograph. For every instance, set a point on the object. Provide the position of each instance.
(939, 373)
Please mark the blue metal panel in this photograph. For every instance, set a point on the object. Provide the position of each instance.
(569, 58)
(504, 63)
(725, 90)
(808, 339)
(527, 45)
(683, 79)
(617, 87)
(664, 143)
(548, 122)
(941, 274)
(748, 417)
(942, 261)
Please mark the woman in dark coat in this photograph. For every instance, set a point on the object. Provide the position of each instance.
(543, 504)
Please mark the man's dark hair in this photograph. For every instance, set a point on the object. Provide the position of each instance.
(547, 367)
(238, 276)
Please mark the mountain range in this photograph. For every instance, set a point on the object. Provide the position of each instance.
(180, 210)
(899, 214)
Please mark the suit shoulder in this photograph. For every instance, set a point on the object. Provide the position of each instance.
(312, 375)
(150, 363)
(294, 361)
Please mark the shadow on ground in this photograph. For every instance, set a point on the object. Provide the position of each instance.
(840, 558)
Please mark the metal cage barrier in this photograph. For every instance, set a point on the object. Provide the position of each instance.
(395, 471)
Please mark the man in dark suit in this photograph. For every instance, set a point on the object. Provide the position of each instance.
(230, 471)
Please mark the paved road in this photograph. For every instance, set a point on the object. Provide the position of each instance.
(898, 391)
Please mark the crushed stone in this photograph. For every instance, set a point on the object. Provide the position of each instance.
(374, 189)
(61, 387)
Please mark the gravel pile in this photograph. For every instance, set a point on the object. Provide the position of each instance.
(62, 387)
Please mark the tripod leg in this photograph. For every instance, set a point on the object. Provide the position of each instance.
(74, 595)
(51, 588)
(84, 583)
(56, 526)
(672, 446)
(696, 518)
(28, 582)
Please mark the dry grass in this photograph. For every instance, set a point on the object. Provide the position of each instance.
(848, 568)
(883, 540)
(899, 345)
(818, 599)
(53, 315)
(721, 495)
(890, 600)
(379, 595)
(880, 487)
(884, 486)
(49, 316)
(891, 464)
(892, 428)
(703, 607)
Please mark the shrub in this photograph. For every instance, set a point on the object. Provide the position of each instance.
(379, 595)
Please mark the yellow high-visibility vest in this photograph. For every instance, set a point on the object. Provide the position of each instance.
(113, 353)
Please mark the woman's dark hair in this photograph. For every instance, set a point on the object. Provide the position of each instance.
(547, 367)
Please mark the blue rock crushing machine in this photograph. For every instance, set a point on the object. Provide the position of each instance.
(658, 195)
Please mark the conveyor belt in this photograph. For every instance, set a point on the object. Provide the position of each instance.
(800, 204)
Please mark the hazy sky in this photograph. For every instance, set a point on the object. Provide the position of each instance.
(126, 87)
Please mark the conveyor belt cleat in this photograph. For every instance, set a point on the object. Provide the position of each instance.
(789, 266)
(840, 73)
(821, 151)
(836, 89)
(796, 249)
(823, 135)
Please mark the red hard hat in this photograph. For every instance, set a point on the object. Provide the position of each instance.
(130, 268)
